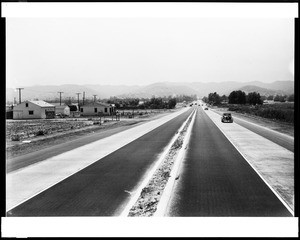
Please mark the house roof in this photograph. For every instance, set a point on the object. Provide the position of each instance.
(96, 104)
(42, 103)
(58, 104)
(62, 106)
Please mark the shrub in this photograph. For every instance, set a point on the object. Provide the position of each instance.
(15, 137)
(40, 133)
(282, 112)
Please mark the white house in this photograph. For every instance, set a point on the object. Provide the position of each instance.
(63, 109)
(95, 109)
(33, 109)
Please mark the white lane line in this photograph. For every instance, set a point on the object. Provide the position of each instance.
(167, 193)
(236, 147)
(147, 177)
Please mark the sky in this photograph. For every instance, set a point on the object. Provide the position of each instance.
(141, 51)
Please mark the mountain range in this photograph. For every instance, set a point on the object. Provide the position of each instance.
(160, 89)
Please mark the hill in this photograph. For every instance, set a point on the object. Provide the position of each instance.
(161, 89)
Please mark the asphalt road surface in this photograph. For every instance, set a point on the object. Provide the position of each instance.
(102, 188)
(215, 180)
(16, 163)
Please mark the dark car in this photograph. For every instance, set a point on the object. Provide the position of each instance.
(206, 108)
(227, 118)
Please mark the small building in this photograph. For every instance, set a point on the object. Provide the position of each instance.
(9, 111)
(62, 109)
(34, 110)
(74, 110)
(96, 109)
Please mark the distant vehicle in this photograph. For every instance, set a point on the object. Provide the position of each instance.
(227, 118)
(206, 108)
(191, 105)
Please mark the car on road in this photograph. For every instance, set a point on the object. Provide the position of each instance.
(206, 108)
(226, 117)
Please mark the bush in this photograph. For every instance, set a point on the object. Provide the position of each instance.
(282, 112)
(15, 137)
(40, 133)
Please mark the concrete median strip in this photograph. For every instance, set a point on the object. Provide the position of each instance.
(273, 163)
(27, 182)
(149, 192)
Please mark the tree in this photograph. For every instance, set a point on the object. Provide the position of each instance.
(237, 97)
(172, 103)
(279, 98)
(205, 99)
(254, 98)
(224, 98)
(263, 97)
(214, 98)
(271, 97)
(291, 98)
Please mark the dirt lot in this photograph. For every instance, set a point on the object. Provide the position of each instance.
(25, 136)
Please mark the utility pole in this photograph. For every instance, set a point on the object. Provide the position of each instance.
(78, 97)
(60, 97)
(83, 97)
(94, 98)
(20, 93)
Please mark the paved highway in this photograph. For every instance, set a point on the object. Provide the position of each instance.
(276, 137)
(43, 154)
(102, 189)
(215, 180)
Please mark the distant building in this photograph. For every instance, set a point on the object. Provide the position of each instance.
(62, 109)
(33, 110)
(96, 109)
